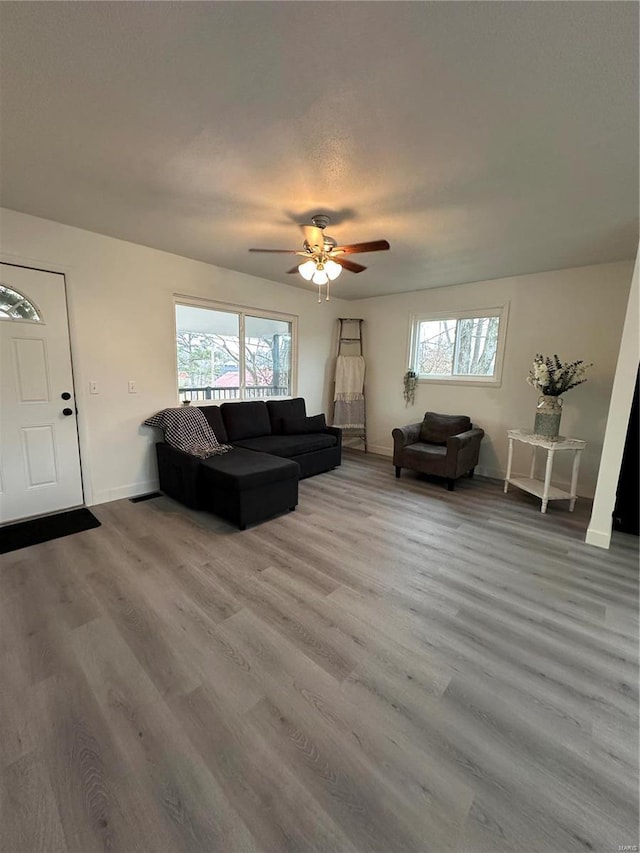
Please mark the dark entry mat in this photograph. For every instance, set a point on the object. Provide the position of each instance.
(38, 530)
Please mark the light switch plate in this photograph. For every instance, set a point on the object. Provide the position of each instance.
(133, 386)
(93, 387)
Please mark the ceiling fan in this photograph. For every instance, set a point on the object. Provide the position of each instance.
(324, 257)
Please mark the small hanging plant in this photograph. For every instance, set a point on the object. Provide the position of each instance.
(410, 382)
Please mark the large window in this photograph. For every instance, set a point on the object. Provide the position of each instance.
(459, 346)
(229, 354)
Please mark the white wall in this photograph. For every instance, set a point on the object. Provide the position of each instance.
(122, 327)
(577, 313)
(599, 532)
(121, 314)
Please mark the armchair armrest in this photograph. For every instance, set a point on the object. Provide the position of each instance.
(464, 439)
(463, 451)
(403, 436)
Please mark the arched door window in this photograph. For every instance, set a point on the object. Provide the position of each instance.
(15, 306)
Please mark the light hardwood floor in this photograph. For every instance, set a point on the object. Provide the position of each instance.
(391, 668)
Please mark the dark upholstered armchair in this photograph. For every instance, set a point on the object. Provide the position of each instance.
(444, 445)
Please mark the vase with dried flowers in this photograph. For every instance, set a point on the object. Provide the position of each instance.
(552, 378)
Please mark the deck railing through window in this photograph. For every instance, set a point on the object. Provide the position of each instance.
(251, 392)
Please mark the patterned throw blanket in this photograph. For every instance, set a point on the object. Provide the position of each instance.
(188, 430)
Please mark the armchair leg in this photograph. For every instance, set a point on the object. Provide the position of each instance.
(398, 469)
(471, 472)
(450, 485)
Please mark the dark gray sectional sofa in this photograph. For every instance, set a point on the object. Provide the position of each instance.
(274, 445)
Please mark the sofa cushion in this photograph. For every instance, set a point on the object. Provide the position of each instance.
(303, 426)
(289, 445)
(214, 417)
(436, 429)
(246, 420)
(243, 470)
(280, 410)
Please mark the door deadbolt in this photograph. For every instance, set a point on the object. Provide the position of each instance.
(65, 395)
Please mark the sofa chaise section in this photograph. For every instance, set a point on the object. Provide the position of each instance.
(241, 486)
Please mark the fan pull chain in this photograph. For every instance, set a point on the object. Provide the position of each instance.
(327, 296)
(319, 293)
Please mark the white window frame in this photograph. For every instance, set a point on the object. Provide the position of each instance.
(242, 311)
(500, 311)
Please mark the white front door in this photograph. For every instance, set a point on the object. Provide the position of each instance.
(39, 452)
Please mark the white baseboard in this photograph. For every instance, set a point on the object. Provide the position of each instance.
(132, 490)
(491, 473)
(380, 449)
(481, 470)
(599, 538)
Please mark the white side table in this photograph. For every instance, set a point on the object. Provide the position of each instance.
(543, 488)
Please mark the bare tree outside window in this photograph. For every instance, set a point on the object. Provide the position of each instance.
(268, 355)
(435, 348)
(217, 362)
(195, 358)
(457, 347)
(477, 346)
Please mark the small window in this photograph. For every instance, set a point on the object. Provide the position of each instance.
(15, 306)
(463, 347)
(233, 354)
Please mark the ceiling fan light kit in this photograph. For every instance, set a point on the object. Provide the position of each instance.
(332, 269)
(320, 272)
(307, 269)
(323, 262)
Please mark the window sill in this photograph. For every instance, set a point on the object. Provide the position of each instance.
(463, 380)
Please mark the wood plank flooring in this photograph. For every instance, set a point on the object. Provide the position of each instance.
(392, 668)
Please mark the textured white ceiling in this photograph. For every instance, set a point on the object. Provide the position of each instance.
(481, 139)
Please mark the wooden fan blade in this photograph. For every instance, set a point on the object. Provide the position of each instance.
(372, 246)
(277, 251)
(348, 265)
(314, 236)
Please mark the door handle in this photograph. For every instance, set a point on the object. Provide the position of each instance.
(67, 412)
